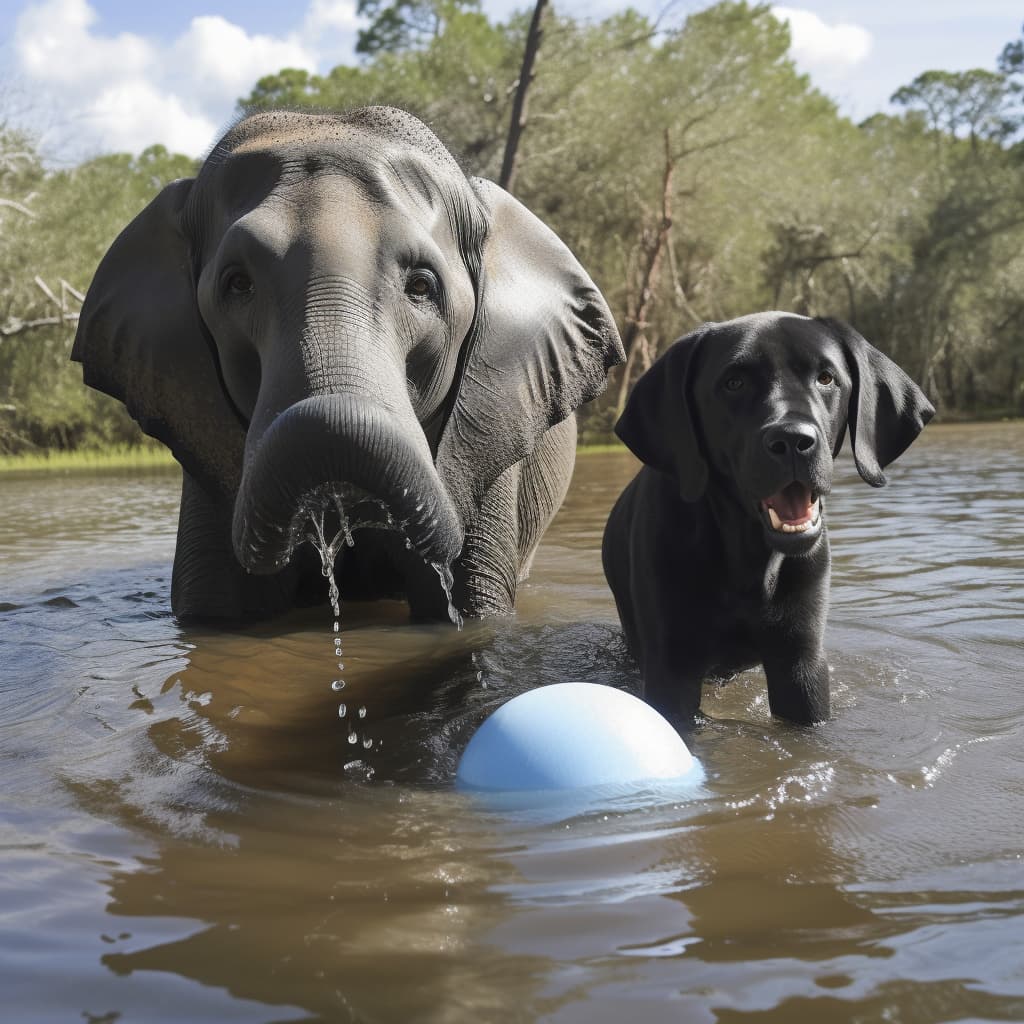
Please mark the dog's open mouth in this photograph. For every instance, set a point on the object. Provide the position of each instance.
(794, 509)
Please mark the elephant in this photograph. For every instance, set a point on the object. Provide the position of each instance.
(333, 323)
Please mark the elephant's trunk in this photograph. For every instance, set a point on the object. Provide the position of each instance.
(319, 445)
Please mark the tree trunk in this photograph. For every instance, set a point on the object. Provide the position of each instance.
(636, 322)
(517, 125)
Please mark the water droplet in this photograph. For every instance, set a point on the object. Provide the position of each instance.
(342, 710)
(338, 684)
(352, 737)
(445, 575)
(367, 743)
(337, 626)
(362, 712)
(341, 665)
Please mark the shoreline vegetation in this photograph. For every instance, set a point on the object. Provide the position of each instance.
(146, 457)
(691, 167)
(88, 460)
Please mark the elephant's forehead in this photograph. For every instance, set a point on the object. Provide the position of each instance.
(312, 168)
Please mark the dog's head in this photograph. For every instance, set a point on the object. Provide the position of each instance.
(761, 405)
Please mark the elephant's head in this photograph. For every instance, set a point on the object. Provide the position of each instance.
(332, 306)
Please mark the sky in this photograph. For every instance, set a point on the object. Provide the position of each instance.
(94, 76)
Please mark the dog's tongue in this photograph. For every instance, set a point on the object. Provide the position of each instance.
(793, 504)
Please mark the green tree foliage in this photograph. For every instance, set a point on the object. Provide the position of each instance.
(406, 24)
(46, 263)
(696, 173)
(459, 81)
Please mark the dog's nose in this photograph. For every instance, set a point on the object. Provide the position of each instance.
(791, 439)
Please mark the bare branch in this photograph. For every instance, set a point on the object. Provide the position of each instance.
(655, 244)
(15, 325)
(70, 288)
(45, 289)
(517, 124)
(20, 207)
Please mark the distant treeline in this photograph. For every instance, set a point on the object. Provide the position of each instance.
(693, 170)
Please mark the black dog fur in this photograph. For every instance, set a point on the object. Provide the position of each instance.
(717, 552)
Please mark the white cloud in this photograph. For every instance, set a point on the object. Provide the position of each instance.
(126, 92)
(130, 115)
(335, 15)
(222, 60)
(54, 43)
(816, 44)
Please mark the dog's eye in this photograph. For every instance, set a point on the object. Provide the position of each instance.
(825, 378)
(734, 384)
(239, 284)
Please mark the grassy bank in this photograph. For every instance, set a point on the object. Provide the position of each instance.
(138, 457)
(599, 447)
(129, 457)
(87, 460)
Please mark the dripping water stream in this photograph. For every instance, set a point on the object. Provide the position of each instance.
(328, 552)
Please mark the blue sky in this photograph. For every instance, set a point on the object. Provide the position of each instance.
(119, 74)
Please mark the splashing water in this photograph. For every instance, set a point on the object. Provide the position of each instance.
(445, 575)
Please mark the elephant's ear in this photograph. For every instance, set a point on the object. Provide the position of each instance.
(542, 344)
(657, 424)
(140, 338)
(887, 409)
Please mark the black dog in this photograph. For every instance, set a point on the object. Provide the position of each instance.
(717, 552)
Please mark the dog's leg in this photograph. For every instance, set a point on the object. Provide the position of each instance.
(798, 683)
(672, 681)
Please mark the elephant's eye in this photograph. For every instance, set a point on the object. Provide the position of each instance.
(734, 384)
(238, 284)
(825, 378)
(421, 285)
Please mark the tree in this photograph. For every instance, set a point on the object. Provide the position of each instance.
(975, 103)
(517, 123)
(458, 82)
(695, 173)
(406, 24)
(47, 263)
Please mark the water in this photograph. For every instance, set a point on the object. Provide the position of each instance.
(187, 834)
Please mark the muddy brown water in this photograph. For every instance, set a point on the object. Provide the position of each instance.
(186, 833)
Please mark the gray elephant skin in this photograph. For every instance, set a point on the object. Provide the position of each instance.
(332, 307)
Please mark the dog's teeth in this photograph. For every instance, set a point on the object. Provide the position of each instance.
(795, 527)
(778, 525)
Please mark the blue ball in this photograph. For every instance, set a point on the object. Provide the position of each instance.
(571, 736)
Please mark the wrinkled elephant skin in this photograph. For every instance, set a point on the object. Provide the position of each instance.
(332, 315)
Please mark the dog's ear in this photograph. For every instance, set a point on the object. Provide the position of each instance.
(887, 409)
(658, 425)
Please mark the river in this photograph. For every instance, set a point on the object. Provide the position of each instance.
(188, 834)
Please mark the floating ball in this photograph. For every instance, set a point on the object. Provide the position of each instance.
(570, 736)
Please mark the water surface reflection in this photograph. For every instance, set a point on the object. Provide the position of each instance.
(187, 833)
